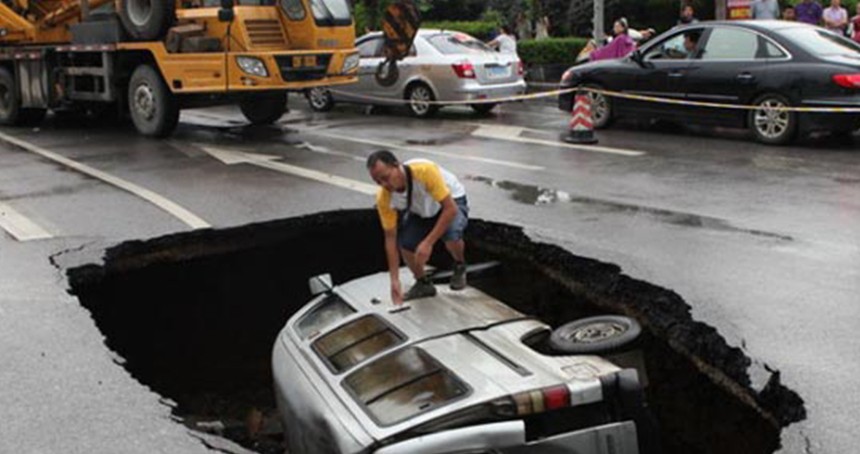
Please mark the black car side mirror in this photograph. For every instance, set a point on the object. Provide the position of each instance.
(636, 56)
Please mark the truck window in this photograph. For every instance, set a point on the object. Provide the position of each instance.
(328, 311)
(356, 341)
(331, 12)
(402, 385)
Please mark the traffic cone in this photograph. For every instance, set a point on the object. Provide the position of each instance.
(581, 125)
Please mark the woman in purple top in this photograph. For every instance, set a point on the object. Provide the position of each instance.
(808, 11)
(621, 45)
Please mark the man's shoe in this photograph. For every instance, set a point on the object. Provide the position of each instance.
(458, 279)
(423, 288)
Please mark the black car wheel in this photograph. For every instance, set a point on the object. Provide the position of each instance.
(320, 99)
(771, 123)
(421, 99)
(601, 108)
(592, 335)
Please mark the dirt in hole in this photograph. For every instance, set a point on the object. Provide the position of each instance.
(195, 316)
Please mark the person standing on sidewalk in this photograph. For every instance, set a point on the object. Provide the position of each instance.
(835, 17)
(808, 11)
(419, 203)
(765, 9)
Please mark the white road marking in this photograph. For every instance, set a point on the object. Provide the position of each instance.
(173, 208)
(231, 157)
(381, 144)
(512, 133)
(324, 150)
(20, 227)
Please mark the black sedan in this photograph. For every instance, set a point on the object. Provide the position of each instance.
(768, 64)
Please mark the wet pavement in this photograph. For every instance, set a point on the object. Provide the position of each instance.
(761, 242)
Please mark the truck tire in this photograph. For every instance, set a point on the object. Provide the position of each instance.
(11, 112)
(152, 106)
(147, 20)
(264, 109)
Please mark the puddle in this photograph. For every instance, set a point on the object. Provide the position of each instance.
(537, 195)
(194, 315)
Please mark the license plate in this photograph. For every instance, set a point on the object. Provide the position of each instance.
(304, 60)
(497, 71)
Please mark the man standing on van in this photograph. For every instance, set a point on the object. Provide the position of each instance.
(419, 203)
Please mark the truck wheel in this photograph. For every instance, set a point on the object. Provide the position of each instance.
(153, 107)
(594, 335)
(11, 112)
(147, 20)
(264, 109)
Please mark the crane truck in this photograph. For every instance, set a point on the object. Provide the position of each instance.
(151, 58)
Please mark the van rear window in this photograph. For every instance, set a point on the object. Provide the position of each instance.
(404, 384)
(326, 313)
(356, 341)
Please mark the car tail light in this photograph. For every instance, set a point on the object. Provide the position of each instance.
(464, 70)
(536, 401)
(520, 68)
(847, 80)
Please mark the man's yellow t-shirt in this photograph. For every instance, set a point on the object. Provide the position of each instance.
(430, 185)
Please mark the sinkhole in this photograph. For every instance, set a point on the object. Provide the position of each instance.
(194, 316)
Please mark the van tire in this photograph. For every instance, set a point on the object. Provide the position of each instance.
(595, 335)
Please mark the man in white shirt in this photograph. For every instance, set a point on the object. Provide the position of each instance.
(835, 17)
(505, 42)
(765, 9)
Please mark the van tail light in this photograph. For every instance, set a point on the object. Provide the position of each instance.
(464, 70)
(536, 401)
(520, 68)
(847, 80)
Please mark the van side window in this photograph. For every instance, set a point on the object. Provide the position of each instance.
(356, 341)
(402, 385)
(328, 311)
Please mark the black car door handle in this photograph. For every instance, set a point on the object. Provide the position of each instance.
(676, 74)
(746, 77)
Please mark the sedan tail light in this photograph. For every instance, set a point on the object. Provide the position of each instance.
(520, 68)
(847, 80)
(464, 70)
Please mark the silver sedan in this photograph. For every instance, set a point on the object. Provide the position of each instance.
(443, 66)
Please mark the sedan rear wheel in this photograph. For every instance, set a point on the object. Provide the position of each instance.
(771, 123)
(421, 99)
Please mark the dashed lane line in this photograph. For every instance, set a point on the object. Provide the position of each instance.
(187, 217)
(20, 227)
(512, 134)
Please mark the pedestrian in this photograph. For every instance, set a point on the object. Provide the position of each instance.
(542, 28)
(765, 9)
(808, 11)
(620, 46)
(789, 14)
(855, 25)
(688, 15)
(835, 17)
(505, 41)
(524, 27)
(419, 203)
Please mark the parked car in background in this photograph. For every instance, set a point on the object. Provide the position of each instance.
(458, 372)
(768, 64)
(442, 66)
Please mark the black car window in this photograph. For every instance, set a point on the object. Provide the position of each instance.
(771, 51)
(402, 385)
(676, 47)
(730, 44)
(821, 42)
(356, 341)
(370, 48)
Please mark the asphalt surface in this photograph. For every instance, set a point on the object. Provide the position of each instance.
(762, 242)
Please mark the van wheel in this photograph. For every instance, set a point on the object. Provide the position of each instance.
(593, 335)
(421, 99)
(152, 106)
(264, 109)
(769, 123)
(147, 20)
(320, 99)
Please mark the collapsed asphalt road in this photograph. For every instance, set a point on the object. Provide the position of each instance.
(194, 316)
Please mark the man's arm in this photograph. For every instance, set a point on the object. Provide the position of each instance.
(449, 212)
(392, 255)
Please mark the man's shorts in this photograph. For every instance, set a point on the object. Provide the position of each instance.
(412, 230)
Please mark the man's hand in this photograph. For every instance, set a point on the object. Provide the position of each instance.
(422, 252)
(396, 293)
